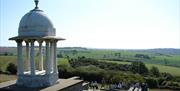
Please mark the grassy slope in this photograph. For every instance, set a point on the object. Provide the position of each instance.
(175, 71)
(126, 55)
(5, 60)
(5, 77)
(63, 61)
(169, 69)
(156, 60)
(160, 90)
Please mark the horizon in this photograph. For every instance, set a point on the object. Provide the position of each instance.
(98, 48)
(101, 24)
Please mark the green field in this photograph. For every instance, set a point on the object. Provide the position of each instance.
(63, 61)
(5, 77)
(175, 71)
(4, 60)
(160, 90)
(169, 59)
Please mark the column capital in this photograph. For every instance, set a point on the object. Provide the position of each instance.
(32, 40)
(48, 40)
(19, 40)
(40, 41)
(55, 41)
(26, 40)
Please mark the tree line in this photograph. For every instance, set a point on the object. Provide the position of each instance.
(93, 70)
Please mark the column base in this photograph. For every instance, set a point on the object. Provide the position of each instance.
(37, 80)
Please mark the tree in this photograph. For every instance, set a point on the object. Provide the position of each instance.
(60, 55)
(152, 82)
(118, 54)
(167, 76)
(11, 68)
(154, 71)
(139, 67)
(0, 70)
(142, 56)
(74, 52)
(165, 62)
(5, 54)
(104, 56)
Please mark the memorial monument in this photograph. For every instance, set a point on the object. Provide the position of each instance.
(35, 26)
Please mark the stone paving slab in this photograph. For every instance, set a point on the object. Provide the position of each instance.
(62, 85)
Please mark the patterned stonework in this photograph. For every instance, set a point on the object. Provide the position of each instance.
(37, 80)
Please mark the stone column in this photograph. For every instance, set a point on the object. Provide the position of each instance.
(20, 69)
(47, 67)
(55, 57)
(51, 56)
(27, 56)
(32, 55)
(40, 66)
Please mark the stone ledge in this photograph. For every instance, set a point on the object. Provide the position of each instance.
(63, 85)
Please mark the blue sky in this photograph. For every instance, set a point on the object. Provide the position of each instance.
(123, 24)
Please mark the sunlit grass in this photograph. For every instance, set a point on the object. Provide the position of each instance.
(175, 71)
(119, 62)
(5, 60)
(63, 61)
(160, 90)
(5, 77)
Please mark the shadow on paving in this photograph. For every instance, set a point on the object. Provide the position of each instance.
(14, 87)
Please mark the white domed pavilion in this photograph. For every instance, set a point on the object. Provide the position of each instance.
(36, 23)
(35, 26)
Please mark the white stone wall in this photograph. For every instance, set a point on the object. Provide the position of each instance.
(37, 80)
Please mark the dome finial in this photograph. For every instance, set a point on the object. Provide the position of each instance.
(36, 3)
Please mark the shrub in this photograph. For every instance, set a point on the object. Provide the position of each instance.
(90, 73)
(65, 71)
(60, 55)
(142, 56)
(0, 70)
(152, 82)
(154, 71)
(11, 68)
(139, 67)
(167, 76)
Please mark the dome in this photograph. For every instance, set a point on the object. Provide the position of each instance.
(36, 23)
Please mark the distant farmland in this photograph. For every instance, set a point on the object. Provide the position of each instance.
(167, 60)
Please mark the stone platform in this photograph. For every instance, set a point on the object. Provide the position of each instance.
(39, 80)
(70, 84)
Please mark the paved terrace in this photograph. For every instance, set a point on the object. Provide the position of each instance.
(64, 84)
